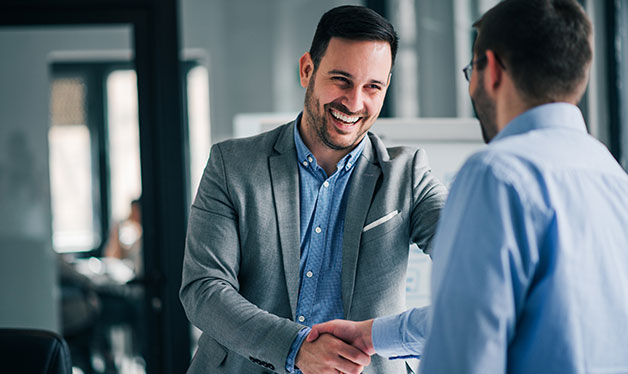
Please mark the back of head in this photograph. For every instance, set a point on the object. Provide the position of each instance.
(545, 45)
(353, 23)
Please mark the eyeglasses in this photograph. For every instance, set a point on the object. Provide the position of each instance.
(467, 70)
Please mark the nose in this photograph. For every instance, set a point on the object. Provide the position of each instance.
(354, 100)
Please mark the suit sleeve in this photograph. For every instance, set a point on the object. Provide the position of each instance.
(210, 286)
(429, 196)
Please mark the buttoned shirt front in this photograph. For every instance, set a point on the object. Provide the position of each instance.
(323, 201)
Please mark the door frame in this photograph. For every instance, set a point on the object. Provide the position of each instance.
(155, 31)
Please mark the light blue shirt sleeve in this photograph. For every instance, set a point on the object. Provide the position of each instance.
(402, 335)
(294, 349)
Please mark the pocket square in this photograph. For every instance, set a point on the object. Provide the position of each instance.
(380, 221)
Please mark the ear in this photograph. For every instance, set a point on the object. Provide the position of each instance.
(306, 69)
(493, 73)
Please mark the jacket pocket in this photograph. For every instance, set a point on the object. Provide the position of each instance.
(381, 226)
(380, 221)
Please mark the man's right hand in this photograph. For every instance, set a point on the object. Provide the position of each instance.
(329, 354)
(356, 333)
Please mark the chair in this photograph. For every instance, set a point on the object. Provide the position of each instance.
(28, 351)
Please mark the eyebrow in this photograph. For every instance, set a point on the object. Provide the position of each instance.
(344, 73)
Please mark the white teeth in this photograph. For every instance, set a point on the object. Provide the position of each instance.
(344, 118)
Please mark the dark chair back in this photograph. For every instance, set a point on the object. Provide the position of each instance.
(27, 351)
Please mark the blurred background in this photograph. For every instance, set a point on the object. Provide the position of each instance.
(107, 114)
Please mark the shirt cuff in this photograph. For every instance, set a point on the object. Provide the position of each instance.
(294, 349)
(402, 335)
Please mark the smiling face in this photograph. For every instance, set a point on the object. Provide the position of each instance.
(345, 94)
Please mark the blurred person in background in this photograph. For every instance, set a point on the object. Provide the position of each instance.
(125, 239)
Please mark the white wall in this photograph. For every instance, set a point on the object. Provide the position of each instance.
(28, 286)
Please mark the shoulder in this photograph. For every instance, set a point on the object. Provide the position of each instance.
(249, 156)
(255, 145)
(401, 162)
(395, 155)
(408, 166)
(497, 168)
(501, 163)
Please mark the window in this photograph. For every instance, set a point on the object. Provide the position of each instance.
(198, 122)
(94, 147)
(70, 167)
(123, 141)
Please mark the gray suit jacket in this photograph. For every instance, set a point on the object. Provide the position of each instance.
(241, 267)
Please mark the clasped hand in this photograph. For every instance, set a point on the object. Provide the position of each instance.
(337, 346)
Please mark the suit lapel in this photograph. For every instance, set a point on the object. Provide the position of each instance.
(363, 183)
(285, 184)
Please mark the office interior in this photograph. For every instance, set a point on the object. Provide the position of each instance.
(106, 102)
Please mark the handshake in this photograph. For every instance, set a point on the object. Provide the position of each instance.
(337, 346)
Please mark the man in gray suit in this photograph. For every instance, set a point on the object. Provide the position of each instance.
(311, 221)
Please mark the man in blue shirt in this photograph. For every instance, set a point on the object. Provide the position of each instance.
(530, 267)
(305, 223)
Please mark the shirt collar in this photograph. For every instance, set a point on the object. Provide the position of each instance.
(305, 156)
(554, 115)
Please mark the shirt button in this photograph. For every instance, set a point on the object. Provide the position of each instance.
(326, 184)
(318, 230)
(301, 319)
(304, 163)
(309, 274)
(310, 159)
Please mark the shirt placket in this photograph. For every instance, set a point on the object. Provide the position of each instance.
(317, 248)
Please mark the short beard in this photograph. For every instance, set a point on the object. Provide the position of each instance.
(319, 120)
(484, 108)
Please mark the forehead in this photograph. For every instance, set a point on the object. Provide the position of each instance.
(369, 59)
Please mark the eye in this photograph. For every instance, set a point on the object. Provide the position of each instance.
(341, 79)
(375, 87)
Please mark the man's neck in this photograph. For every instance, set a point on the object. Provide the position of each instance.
(326, 157)
(509, 105)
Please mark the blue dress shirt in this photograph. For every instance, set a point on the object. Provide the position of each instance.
(530, 262)
(323, 201)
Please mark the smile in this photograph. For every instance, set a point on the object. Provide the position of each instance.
(344, 118)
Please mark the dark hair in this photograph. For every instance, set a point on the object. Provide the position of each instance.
(544, 43)
(353, 23)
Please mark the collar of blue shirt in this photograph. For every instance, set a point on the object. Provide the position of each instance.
(544, 116)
